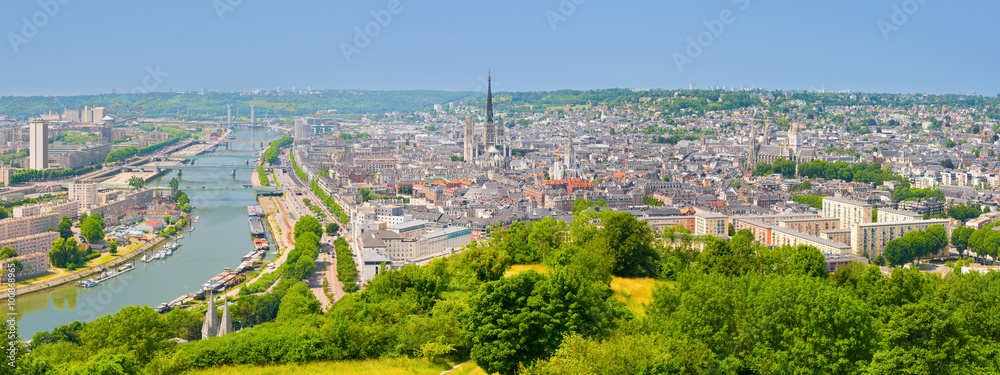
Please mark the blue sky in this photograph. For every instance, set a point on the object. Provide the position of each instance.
(85, 47)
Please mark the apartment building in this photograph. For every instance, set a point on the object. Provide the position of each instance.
(837, 235)
(410, 229)
(888, 215)
(813, 226)
(114, 206)
(761, 230)
(871, 238)
(61, 207)
(34, 265)
(848, 211)
(40, 243)
(771, 219)
(781, 236)
(712, 224)
(421, 247)
(930, 206)
(25, 226)
(86, 194)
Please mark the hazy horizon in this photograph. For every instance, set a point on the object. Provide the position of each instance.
(63, 47)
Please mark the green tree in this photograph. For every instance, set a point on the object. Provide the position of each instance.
(136, 182)
(937, 239)
(7, 252)
(92, 229)
(897, 252)
(808, 261)
(175, 183)
(66, 253)
(960, 238)
(628, 242)
(297, 303)
(184, 323)
(136, 329)
(308, 224)
(65, 227)
(517, 320)
(921, 338)
(332, 229)
(18, 266)
(579, 205)
(487, 263)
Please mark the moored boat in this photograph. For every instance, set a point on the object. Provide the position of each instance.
(106, 275)
(88, 283)
(163, 308)
(126, 267)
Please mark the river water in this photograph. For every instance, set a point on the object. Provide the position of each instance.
(220, 238)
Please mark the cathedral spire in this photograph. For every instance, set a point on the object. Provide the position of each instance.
(489, 97)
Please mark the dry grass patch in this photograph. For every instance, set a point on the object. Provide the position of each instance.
(634, 293)
(518, 268)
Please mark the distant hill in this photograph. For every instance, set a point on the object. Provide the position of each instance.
(213, 105)
(192, 106)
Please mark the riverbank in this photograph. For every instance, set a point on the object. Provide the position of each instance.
(83, 274)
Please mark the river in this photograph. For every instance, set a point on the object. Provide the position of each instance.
(220, 238)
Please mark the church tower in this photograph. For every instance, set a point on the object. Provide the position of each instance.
(470, 142)
(752, 150)
(211, 325)
(226, 325)
(795, 139)
(491, 128)
(570, 152)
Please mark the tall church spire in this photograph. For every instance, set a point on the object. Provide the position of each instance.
(210, 327)
(489, 97)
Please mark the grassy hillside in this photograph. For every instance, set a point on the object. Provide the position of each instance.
(383, 366)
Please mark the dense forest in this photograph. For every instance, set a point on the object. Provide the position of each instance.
(213, 105)
(735, 307)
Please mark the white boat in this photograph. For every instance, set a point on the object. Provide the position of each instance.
(191, 229)
(106, 275)
(126, 267)
(88, 283)
(146, 258)
(181, 236)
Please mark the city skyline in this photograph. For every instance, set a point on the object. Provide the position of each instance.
(912, 46)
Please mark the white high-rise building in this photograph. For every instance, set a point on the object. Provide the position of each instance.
(302, 130)
(86, 194)
(39, 145)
